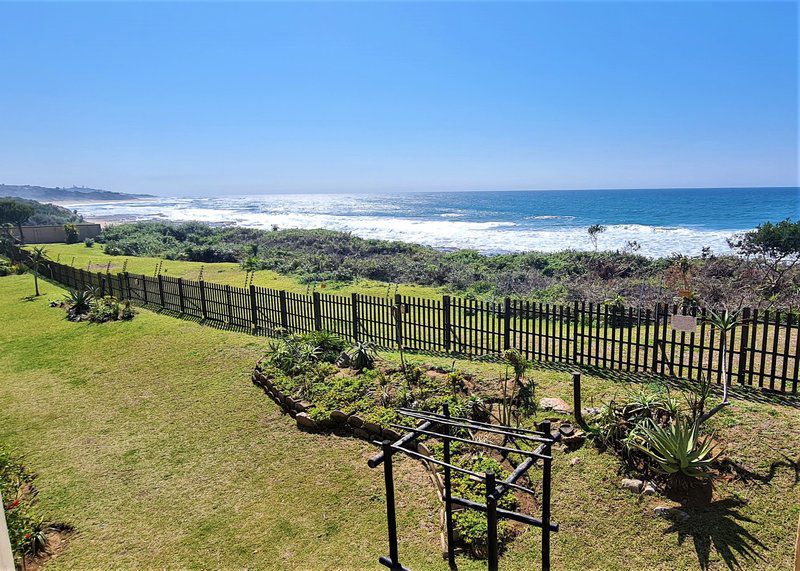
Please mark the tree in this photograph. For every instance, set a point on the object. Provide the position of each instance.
(16, 213)
(725, 323)
(775, 248)
(36, 261)
(594, 232)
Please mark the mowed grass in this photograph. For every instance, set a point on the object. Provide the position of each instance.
(149, 437)
(94, 259)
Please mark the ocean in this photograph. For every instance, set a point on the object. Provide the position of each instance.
(662, 221)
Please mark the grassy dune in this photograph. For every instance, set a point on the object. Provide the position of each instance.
(149, 437)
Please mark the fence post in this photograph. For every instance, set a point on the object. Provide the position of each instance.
(101, 282)
(547, 468)
(161, 290)
(656, 326)
(317, 308)
(144, 289)
(203, 311)
(121, 281)
(284, 312)
(743, 345)
(507, 323)
(398, 319)
(354, 313)
(180, 295)
(228, 303)
(446, 322)
(576, 322)
(253, 308)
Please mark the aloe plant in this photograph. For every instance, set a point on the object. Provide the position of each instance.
(724, 322)
(362, 355)
(677, 448)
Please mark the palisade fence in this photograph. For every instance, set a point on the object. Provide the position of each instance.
(763, 350)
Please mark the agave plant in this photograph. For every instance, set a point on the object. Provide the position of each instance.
(362, 355)
(79, 302)
(677, 448)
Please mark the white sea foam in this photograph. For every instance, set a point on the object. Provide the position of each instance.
(357, 215)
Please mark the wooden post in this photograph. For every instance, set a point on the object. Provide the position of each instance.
(284, 311)
(317, 309)
(491, 522)
(448, 495)
(507, 323)
(743, 345)
(398, 320)
(161, 290)
(228, 303)
(253, 308)
(180, 295)
(797, 548)
(203, 310)
(354, 313)
(547, 467)
(446, 322)
(656, 326)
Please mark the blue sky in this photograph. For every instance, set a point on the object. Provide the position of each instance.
(198, 98)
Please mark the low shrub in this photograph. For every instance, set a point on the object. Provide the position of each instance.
(471, 525)
(88, 242)
(109, 308)
(72, 233)
(26, 529)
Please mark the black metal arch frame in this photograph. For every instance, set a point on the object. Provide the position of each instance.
(435, 425)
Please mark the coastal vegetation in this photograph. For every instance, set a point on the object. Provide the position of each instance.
(764, 272)
(157, 422)
(18, 211)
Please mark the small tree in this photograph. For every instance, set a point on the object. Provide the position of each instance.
(36, 261)
(15, 212)
(725, 323)
(594, 232)
(775, 248)
(71, 232)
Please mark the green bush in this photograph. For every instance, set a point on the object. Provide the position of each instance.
(26, 529)
(88, 242)
(72, 233)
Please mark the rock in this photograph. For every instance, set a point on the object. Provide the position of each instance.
(390, 434)
(591, 411)
(355, 421)
(362, 434)
(303, 406)
(422, 449)
(338, 417)
(373, 427)
(305, 421)
(649, 489)
(566, 429)
(574, 461)
(632, 485)
(555, 404)
(673, 514)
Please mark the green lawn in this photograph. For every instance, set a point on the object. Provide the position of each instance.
(150, 439)
(95, 260)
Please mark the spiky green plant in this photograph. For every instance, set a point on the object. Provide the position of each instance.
(677, 448)
(362, 355)
(78, 302)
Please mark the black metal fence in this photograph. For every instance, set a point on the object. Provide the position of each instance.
(762, 350)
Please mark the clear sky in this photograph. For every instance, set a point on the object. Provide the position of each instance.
(236, 98)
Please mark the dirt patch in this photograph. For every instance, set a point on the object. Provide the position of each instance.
(57, 542)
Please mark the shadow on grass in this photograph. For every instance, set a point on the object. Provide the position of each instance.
(719, 525)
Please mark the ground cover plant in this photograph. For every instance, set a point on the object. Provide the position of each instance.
(156, 422)
(31, 537)
(768, 255)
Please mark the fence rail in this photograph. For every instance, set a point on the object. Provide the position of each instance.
(763, 350)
